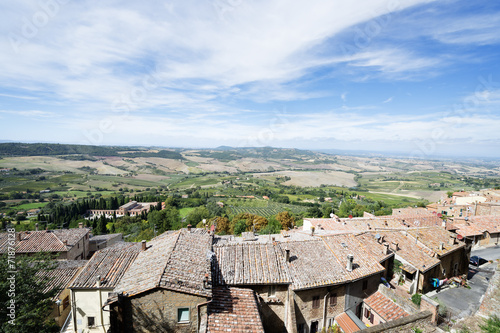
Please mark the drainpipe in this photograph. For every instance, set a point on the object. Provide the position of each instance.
(325, 307)
(73, 305)
(198, 314)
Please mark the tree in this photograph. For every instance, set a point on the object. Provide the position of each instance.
(22, 286)
(196, 215)
(287, 221)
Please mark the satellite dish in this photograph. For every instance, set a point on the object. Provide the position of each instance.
(331, 215)
(417, 222)
(377, 236)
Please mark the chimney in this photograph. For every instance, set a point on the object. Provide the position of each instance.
(350, 259)
(36, 226)
(368, 226)
(386, 249)
(441, 246)
(287, 255)
(18, 236)
(396, 246)
(144, 245)
(189, 227)
(385, 223)
(80, 225)
(65, 242)
(98, 281)
(451, 241)
(312, 231)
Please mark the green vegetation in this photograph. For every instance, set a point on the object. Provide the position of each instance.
(32, 301)
(416, 299)
(491, 325)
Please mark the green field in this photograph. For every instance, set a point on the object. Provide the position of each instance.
(185, 211)
(29, 206)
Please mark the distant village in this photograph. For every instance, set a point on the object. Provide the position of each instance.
(355, 274)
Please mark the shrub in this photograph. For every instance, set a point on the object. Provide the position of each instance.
(417, 298)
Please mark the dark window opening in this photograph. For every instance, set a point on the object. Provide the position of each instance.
(315, 302)
(365, 284)
(333, 299)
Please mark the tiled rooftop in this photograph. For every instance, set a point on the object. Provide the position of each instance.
(374, 247)
(177, 260)
(109, 264)
(61, 276)
(346, 323)
(419, 257)
(250, 263)
(489, 223)
(433, 237)
(234, 310)
(45, 240)
(385, 307)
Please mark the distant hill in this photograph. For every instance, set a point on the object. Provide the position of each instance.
(49, 149)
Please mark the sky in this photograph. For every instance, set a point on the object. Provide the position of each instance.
(416, 76)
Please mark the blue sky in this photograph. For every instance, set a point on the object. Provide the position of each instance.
(415, 76)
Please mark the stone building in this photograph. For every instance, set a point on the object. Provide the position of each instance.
(168, 286)
(69, 244)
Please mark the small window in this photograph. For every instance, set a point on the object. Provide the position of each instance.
(65, 302)
(371, 317)
(182, 315)
(367, 313)
(365, 284)
(315, 302)
(90, 322)
(333, 299)
(271, 291)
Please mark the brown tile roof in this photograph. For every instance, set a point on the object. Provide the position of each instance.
(373, 246)
(490, 223)
(346, 323)
(466, 230)
(356, 224)
(45, 240)
(177, 260)
(109, 264)
(61, 276)
(234, 310)
(385, 307)
(433, 237)
(250, 264)
(416, 255)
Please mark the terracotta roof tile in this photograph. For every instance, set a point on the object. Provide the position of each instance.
(234, 310)
(385, 307)
(61, 276)
(346, 323)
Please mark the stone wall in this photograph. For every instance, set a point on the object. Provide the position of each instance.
(419, 320)
(157, 311)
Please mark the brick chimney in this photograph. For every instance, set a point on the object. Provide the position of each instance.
(144, 245)
(386, 249)
(80, 225)
(65, 242)
(18, 236)
(451, 241)
(350, 259)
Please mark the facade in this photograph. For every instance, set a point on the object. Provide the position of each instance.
(90, 290)
(132, 208)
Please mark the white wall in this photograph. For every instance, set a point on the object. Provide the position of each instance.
(88, 304)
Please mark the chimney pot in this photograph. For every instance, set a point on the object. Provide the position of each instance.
(65, 242)
(350, 259)
(36, 226)
(18, 236)
(189, 227)
(287, 255)
(144, 245)
(80, 225)
(386, 249)
(98, 281)
(312, 231)
(451, 241)
(441, 246)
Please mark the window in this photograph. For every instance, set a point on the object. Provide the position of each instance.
(367, 313)
(271, 291)
(182, 315)
(65, 302)
(365, 284)
(371, 317)
(301, 328)
(90, 322)
(333, 299)
(315, 302)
